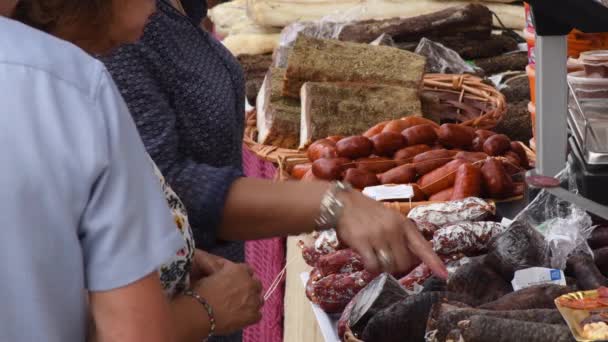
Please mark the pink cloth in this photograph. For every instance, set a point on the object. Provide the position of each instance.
(267, 258)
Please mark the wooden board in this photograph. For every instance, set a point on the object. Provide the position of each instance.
(300, 324)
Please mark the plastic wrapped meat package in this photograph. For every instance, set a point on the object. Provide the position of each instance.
(443, 60)
(544, 234)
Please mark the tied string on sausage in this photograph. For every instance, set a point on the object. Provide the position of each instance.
(279, 277)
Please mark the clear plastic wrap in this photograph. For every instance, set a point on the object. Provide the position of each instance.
(328, 27)
(443, 60)
(544, 234)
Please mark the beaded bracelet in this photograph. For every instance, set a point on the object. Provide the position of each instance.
(207, 307)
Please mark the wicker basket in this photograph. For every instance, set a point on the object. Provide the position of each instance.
(468, 94)
(461, 91)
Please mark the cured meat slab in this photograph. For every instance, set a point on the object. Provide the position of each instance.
(350, 109)
(325, 60)
(473, 21)
(278, 118)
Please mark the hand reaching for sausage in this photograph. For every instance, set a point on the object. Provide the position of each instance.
(385, 239)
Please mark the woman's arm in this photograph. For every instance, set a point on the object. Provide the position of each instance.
(134, 313)
(202, 188)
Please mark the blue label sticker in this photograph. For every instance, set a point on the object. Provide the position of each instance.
(556, 275)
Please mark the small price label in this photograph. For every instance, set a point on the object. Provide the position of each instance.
(389, 192)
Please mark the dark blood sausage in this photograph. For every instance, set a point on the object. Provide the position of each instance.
(441, 178)
(334, 292)
(342, 261)
(443, 195)
(466, 280)
(300, 170)
(360, 179)
(323, 148)
(497, 182)
(387, 143)
(471, 157)
(535, 297)
(468, 182)
(587, 274)
(403, 174)
(601, 259)
(378, 295)
(599, 237)
(449, 320)
(354, 147)
(375, 164)
(403, 320)
(345, 316)
(497, 145)
(329, 168)
(484, 328)
(406, 155)
(523, 156)
(456, 136)
(421, 134)
(431, 160)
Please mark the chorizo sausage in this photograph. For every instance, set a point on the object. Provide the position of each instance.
(354, 147)
(375, 164)
(404, 155)
(335, 138)
(443, 196)
(421, 134)
(300, 170)
(387, 143)
(360, 179)
(431, 160)
(497, 145)
(398, 126)
(377, 129)
(403, 174)
(467, 183)
(497, 182)
(456, 136)
(329, 168)
(323, 148)
(309, 176)
(484, 134)
(441, 178)
(523, 156)
(471, 157)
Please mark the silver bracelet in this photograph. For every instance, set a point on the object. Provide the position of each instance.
(332, 206)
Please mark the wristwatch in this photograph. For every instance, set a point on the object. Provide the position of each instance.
(331, 206)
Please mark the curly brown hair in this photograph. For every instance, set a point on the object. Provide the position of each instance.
(74, 20)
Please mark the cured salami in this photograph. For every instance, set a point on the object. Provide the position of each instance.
(448, 213)
(469, 238)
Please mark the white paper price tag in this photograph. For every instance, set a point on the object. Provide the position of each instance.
(389, 192)
(537, 276)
